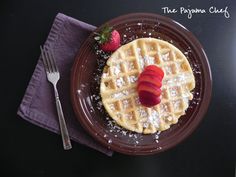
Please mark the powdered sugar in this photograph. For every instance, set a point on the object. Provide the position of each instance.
(118, 132)
(163, 108)
(112, 106)
(177, 105)
(125, 103)
(177, 80)
(153, 118)
(165, 57)
(140, 58)
(120, 94)
(132, 79)
(137, 101)
(131, 66)
(168, 70)
(148, 60)
(105, 75)
(173, 92)
(120, 82)
(157, 136)
(116, 69)
(166, 117)
(145, 61)
(142, 113)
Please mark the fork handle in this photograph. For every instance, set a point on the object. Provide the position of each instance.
(64, 132)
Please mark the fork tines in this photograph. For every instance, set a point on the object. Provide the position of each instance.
(48, 59)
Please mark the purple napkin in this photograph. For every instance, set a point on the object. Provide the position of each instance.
(38, 104)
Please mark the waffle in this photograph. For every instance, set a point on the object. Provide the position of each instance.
(119, 84)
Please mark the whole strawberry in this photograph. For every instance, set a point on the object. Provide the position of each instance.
(108, 39)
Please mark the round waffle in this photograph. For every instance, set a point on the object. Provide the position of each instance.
(118, 87)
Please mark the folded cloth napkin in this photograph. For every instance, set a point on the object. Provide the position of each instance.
(38, 104)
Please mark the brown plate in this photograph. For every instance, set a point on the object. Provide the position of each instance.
(87, 70)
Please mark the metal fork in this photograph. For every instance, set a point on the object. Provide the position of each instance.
(53, 76)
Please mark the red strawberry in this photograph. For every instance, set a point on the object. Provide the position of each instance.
(108, 39)
(148, 99)
(149, 85)
(151, 73)
(156, 69)
(151, 79)
(146, 86)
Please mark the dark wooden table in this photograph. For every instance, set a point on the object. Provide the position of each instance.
(27, 150)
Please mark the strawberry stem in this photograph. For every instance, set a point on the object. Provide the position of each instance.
(104, 35)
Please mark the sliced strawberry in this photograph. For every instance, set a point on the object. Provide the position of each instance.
(156, 69)
(151, 78)
(151, 74)
(148, 99)
(149, 87)
(149, 84)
